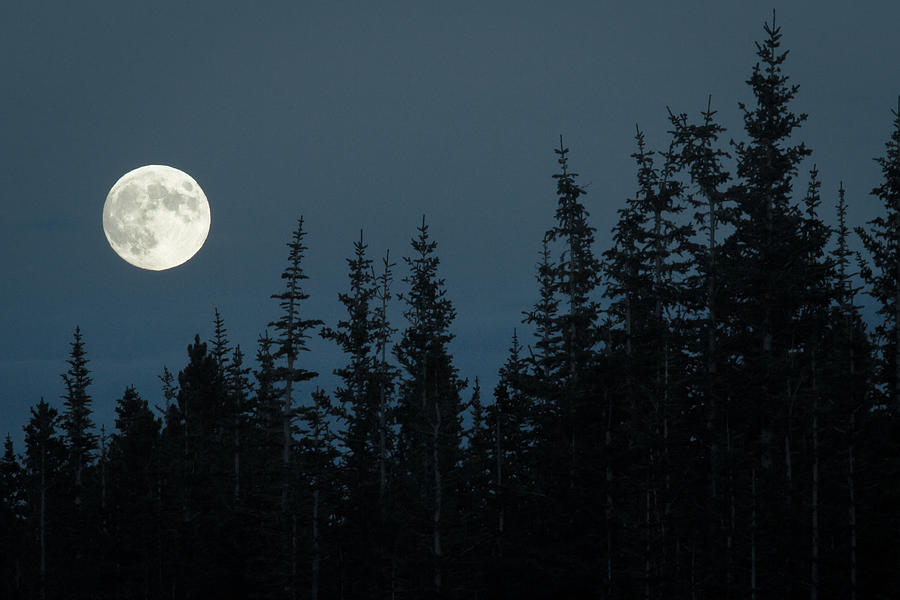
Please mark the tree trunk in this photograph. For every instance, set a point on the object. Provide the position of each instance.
(753, 535)
(316, 558)
(897, 294)
(729, 541)
(852, 516)
(382, 408)
(43, 525)
(436, 517)
(647, 547)
(292, 584)
(609, 505)
(237, 459)
(286, 434)
(103, 467)
(499, 486)
(814, 572)
(382, 447)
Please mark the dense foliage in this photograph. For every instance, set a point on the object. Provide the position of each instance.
(698, 411)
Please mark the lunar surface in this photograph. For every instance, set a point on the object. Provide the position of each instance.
(156, 217)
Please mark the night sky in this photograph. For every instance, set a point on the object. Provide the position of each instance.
(364, 115)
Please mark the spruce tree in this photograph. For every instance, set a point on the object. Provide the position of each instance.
(12, 517)
(697, 152)
(291, 331)
(81, 443)
(204, 476)
(134, 461)
(429, 414)
(76, 419)
(562, 380)
(45, 461)
(267, 568)
(511, 457)
(766, 265)
(882, 242)
(317, 455)
(647, 272)
(239, 390)
(359, 397)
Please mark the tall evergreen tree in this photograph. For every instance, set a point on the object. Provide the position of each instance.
(696, 151)
(360, 397)
(239, 390)
(575, 279)
(291, 334)
(430, 413)
(767, 269)
(291, 330)
(80, 525)
(203, 477)
(134, 456)
(882, 242)
(562, 381)
(511, 456)
(76, 419)
(317, 459)
(269, 563)
(45, 460)
(12, 519)
(839, 420)
(647, 273)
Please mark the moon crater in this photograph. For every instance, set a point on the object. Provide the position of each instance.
(156, 217)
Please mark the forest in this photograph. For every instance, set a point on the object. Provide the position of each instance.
(698, 411)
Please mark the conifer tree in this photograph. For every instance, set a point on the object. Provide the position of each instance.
(883, 244)
(429, 415)
(291, 334)
(45, 459)
(696, 151)
(360, 397)
(291, 330)
(647, 270)
(76, 419)
(221, 347)
(134, 456)
(845, 378)
(79, 527)
(386, 375)
(204, 476)
(511, 457)
(318, 454)
(562, 380)
(543, 366)
(765, 266)
(12, 516)
(239, 390)
(355, 337)
(267, 568)
(575, 279)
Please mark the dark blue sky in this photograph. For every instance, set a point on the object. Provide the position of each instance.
(363, 115)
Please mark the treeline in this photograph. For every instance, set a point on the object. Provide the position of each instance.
(697, 412)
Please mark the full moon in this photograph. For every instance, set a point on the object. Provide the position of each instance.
(156, 217)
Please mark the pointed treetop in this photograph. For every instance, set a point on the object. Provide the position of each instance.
(220, 345)
(563, 159)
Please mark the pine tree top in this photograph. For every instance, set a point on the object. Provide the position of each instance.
(766, 162)
(291, 329)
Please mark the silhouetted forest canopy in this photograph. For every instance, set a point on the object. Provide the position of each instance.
(698, 411)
